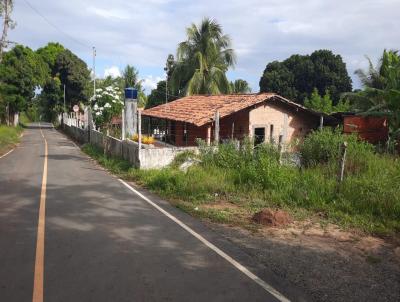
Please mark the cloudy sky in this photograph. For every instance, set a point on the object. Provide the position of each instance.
(144, 32)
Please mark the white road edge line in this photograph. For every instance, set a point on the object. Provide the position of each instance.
(4, 155)
(228, 258)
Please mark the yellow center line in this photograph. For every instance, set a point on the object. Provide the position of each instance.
(39, 261)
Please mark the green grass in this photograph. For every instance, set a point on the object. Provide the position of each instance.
(9, 136)
(24, 120)
(230, 185)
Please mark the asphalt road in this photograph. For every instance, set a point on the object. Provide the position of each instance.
(103, 242)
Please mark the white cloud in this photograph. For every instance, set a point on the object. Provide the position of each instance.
(144, 32)
(150, 82)
(110, 13)
(113, 71)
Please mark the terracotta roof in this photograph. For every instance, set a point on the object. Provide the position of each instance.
(200, 109)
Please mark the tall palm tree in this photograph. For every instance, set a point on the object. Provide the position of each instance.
(131, 77)
(203, 60)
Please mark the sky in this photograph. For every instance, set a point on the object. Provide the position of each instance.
(143, 32)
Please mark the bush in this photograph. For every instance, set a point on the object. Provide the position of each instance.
(323, 146)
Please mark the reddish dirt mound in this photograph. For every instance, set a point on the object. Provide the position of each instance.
(273, 218)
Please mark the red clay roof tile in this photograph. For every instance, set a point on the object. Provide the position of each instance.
(200, 109)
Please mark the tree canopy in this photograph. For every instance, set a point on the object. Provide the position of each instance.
(22, 71)
(74, 74)
(297, 76)
(325, 103)
(157, 96)
(49, 55)
(203, 59)
(239, 86)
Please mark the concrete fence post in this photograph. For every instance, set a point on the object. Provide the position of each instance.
(123, 125)
(139, 126)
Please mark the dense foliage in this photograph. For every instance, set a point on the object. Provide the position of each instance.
(203, 60)
(239, 86)
(21, 72)
(74, 73)
(297, 76)
(325, 103)
(157, 96)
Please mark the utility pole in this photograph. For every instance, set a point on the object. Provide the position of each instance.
(94, 73)
(166, 83)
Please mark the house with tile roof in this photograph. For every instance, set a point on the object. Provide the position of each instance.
(266, 117)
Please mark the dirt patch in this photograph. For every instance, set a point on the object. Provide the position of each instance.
(222, 205)
(327, 263)
(272, 218)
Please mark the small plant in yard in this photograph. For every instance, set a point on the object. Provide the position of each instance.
(108, 104)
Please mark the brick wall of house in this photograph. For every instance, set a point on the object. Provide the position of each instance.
(297, 123)
(239, 121)
(243, 122)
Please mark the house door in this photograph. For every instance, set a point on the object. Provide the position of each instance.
(259, 136)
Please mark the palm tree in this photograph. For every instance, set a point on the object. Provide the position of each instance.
(131, 77)
(240, 86)
(203, 60)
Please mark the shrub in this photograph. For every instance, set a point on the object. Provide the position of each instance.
(323, 146)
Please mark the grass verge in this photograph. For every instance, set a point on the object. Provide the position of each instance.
(230, 185)
(9, 137)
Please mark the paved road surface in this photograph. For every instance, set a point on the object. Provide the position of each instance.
(102, 241)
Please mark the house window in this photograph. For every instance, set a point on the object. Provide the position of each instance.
(259, 136)
(271, 134)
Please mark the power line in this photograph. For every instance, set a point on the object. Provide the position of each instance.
(55, 26)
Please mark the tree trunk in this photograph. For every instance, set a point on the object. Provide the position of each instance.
(6, 24)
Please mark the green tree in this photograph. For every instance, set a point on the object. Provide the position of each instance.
(239, 86)
(22, 71)
(49, 54)
(277, 78)
(130, 77)
(51, 99)
(325, 103)
(74, 74)
(203, 60)
(297, 76)
(157, 96)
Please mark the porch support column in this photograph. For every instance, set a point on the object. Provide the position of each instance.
(321, 122)
(216, 135)
(209, 135)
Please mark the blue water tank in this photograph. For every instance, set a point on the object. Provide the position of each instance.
(131, 93)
